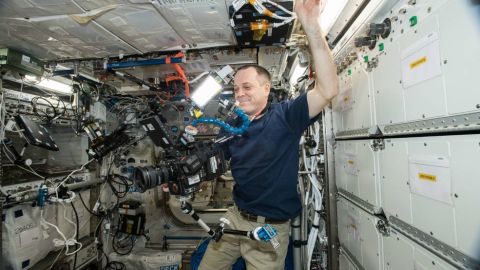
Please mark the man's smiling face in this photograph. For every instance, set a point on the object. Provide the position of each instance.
(251, 91)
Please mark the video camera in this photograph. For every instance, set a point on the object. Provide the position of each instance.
(188, 162)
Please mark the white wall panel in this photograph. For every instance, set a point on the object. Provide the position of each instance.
(426, 69)
(398, 253)
(461, 68)
(429, 215)
(358, 234)
(452, 223)
(342, 212)
(465, 152)
(426, 260)
(428, 94)
(354, 104)
(387, 88)
(346, 166)
(354, 231)
(427, 98)
(340, 172)
(356, 170)
(362, 98)
(403, 254)
(345, 264)
(367, 176)
(349, 228)
(371, 242)
(393, 174)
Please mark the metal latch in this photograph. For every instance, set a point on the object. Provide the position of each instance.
(378, 144)
(383, 227)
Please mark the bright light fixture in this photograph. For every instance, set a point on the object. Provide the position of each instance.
(206, 91)
(330, 13)
(55, 86)
(31, 78)
(297, 72)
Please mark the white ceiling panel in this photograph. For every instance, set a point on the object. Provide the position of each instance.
(61, 37)
(75, 29)
(201, 23)
(36, 8)
(22, 35)
(24, 43)
(89, 40)
(90, 5)
(108, 28)
(141, 26)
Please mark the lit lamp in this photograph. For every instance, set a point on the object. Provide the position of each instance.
(56, 86)
(49, 84)
(211, 86)
(206, 91)
(297, 72)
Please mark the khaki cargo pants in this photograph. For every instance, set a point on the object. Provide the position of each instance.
(257, 255)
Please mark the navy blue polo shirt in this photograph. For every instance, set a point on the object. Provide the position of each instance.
(264, 161)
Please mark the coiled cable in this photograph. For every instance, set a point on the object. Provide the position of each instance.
(225, 126)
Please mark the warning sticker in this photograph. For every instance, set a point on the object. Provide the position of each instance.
(418, 62)
(427, 177)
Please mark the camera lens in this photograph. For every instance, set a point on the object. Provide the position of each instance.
(142, 177)
(149, 177)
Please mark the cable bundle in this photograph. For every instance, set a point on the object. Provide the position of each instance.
(313, 194)
(225, 126)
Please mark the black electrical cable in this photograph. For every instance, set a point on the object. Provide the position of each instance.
(132, 244)
(64, 108)
(109, 180)
(118, 194)
(76, 233)
(106, 257)
(85, 205)
(115, 265)
(123, 179)
(44, 114)
(124, 182)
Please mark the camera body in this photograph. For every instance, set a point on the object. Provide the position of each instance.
(202, 161)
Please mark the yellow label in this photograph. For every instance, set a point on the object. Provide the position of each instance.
(418, 62)
(428, 177)
(197, 113)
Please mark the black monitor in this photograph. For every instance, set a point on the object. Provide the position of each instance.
(35, 134)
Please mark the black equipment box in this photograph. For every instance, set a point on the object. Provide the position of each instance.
(157, 131)
(35, 134)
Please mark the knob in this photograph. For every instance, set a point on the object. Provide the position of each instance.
(382, 29)
(366, 41)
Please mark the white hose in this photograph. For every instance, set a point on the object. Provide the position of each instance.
(313, 194)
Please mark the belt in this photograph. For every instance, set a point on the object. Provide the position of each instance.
(256, 218)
